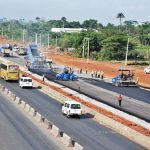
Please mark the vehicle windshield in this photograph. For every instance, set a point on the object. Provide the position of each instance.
(13, 67)
(27, 80)
(75, 106)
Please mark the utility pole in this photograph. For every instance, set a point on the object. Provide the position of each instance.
(40, 40)
(48, 41)
(23, 35)
(126, 58)
(83, 50)
(56, 40)
(88, 50)
(12, 37)
(2, 32)
(86, 42)
(36, 36)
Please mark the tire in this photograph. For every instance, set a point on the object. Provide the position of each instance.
(117, 84)
(68, 115)
(58, 78)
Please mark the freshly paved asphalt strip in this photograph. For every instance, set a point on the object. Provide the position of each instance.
(17, 132)
(85, 131)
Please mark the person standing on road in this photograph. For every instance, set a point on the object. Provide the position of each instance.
(43, 77)
(120, 100)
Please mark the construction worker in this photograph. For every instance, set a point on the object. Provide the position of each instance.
(43, 77)
(98, 74)
(86, 71)
(137, 80)
(120, 100)
(92, 73)
(102, 75)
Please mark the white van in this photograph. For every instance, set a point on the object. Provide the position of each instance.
(147, 69)
(71, 108)
(25, 82)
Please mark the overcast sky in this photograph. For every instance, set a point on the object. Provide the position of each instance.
(105, 11)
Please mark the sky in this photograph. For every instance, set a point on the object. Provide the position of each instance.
(105, 11)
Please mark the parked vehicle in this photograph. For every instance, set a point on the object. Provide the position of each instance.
(66, 75)
(147, 69)
(25, 82)
(125, 78)
(70, 108)
(9, 71)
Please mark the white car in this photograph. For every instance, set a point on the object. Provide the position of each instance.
(25, 82)
(70, 108)
(15, 49)
(147, 69)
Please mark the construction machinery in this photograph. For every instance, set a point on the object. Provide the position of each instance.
(67, 74)
(124, 78)
(34, 60)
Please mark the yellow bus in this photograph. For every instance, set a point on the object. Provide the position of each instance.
(9, 71)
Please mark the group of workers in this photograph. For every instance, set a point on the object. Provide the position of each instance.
(94, 73)
(97, 74)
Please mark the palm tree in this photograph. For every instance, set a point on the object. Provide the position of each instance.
(120, 16)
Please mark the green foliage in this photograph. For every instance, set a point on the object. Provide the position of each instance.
(105, 42)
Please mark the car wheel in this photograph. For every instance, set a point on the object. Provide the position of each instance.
(62, 112)
(68, 115)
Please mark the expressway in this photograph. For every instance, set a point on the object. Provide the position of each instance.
(85, 131)
(96, 89)
(17, 132)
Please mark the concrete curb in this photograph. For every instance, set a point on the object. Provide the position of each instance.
(56, 131)
(38, 117)
(48, 124)
(66, 139)
(9, 93)
(13, 96)
(23, 103)
(18, 100)
(27, 107)
(78, 146)
(32, 112)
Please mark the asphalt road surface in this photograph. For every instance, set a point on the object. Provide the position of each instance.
(85, 131)
(19, 133)
(92, 89)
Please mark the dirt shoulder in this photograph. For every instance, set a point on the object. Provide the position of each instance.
(109, 68)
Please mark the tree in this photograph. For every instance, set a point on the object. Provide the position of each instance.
(120, 16)
(64, 20)
(90, 24)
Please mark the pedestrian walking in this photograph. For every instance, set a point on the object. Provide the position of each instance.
(120, 100)
(43, 77)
